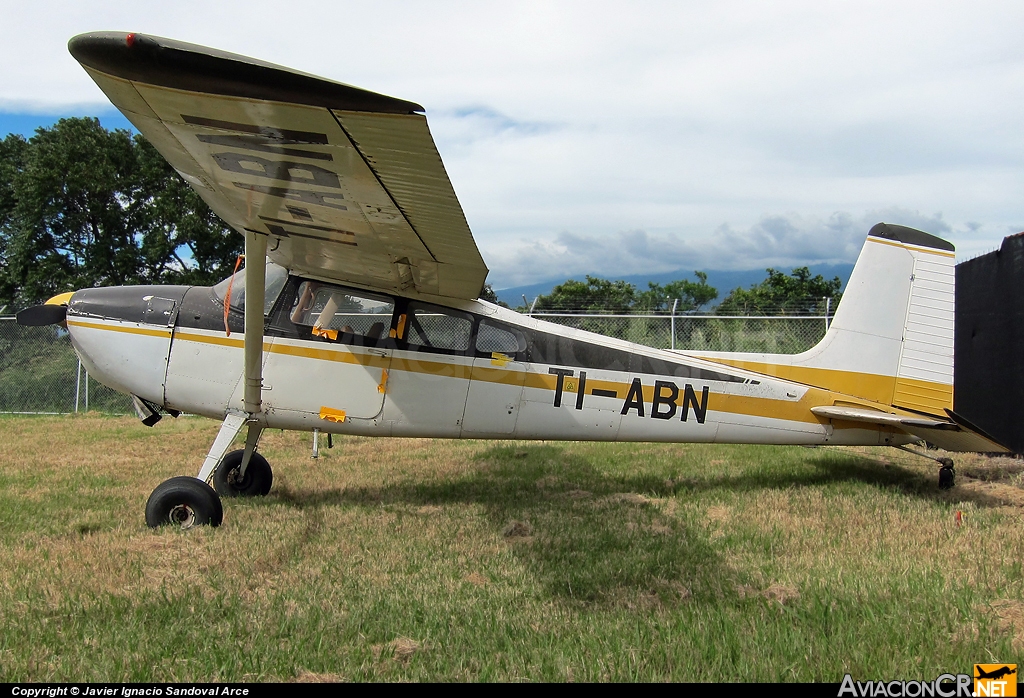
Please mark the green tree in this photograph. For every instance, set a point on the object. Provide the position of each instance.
(487, 294)
(591, 296)
(795, 294)
(12, 158)
(692, 295)
(602, 296)
(82, 206)
(186, 242)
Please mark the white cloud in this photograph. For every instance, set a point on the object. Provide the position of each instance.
(779, 240)
(564, 124)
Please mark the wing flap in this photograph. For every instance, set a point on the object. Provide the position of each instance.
(949, 435)
(347, 183)
(962, 441)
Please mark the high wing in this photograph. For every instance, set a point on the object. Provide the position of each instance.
(954, 435)
(347, 183)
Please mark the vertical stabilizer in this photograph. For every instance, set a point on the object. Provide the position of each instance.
(891, 340)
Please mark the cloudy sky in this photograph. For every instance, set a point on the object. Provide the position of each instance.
(621, 138)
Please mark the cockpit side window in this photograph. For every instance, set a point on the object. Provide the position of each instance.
(342, 314)
(277, 276)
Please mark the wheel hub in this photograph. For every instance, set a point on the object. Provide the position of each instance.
(236, 480)
(182, 515)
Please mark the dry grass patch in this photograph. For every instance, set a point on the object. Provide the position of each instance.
(1010, 619)
(782, 593)
(719, 514)
(400, 650)
(477, 579)
(627, 498)
(304, 676)
(517, 529)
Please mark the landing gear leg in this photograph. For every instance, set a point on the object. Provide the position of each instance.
(243, 473)
(947, 473)
(182, 504)
(189, 501)
(231, 427)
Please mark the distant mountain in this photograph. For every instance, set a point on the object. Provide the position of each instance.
(724, 281)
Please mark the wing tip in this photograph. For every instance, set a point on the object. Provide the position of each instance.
(179, 65)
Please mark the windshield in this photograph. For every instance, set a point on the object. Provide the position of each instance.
(276, 278)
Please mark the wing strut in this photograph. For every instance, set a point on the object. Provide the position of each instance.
(252, 397)
(255, 287)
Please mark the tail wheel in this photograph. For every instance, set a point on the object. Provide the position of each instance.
(255, 483)
(947, 474)
(183, 502)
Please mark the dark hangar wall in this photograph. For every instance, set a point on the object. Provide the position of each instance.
(988, 376)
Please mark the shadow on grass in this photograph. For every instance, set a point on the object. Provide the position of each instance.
(596, 537)
(587, 536)
(830, 468)
(879, 472)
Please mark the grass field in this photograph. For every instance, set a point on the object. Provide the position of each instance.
(418, 559)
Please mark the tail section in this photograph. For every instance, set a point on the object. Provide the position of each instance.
(891, 341)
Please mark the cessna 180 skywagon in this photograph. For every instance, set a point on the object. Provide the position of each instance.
(366, 319)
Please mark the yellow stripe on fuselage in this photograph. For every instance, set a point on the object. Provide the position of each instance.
(789, 410)
(868, 386)
(123, 328)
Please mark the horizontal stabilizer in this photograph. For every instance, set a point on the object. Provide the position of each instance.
(955, 435)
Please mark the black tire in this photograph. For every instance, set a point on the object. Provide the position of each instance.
(184, 502)
(256, 483)
(947, 474)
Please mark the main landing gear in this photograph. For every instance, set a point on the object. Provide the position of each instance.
(185, 502)
(256, 482)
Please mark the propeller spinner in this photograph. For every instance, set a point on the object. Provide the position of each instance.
(53, 312)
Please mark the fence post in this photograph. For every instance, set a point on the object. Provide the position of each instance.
(828, 307)
(86, 391)
(78, 384)
(675, 302)
(532, 306)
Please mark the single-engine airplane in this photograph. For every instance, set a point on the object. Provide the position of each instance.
(366, 318)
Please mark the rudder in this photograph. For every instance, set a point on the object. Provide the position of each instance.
(891, 340)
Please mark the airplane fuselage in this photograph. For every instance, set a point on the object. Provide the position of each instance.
(389, 365)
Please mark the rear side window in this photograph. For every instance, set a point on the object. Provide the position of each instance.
(491, 339)
(431, 327)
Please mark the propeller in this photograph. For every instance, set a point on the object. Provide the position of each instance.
(52, 312)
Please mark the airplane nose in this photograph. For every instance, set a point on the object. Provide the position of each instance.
(123, 335)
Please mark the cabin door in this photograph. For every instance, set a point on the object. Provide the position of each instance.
(496, 382)
(336, 364)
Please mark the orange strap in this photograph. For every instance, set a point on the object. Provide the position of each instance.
(227, 296)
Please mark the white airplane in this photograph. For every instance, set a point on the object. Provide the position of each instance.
(366, 319)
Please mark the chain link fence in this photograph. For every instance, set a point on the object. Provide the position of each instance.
(40, 373)
(775, 334)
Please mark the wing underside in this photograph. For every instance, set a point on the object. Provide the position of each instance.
(347, 184)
